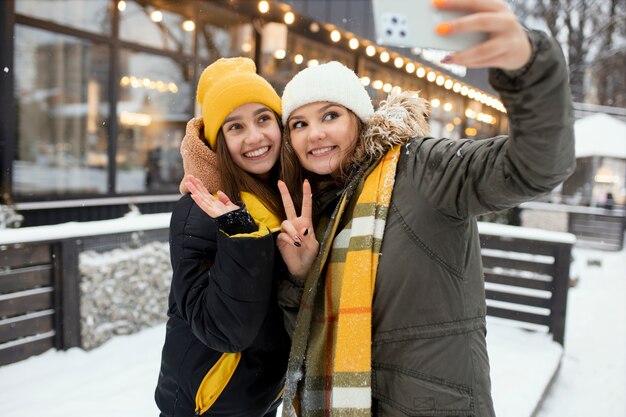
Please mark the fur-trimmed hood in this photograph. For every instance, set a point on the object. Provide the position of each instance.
(400, 117)
(198, 159)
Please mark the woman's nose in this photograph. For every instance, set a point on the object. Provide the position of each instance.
(317, 133)
(254, 135)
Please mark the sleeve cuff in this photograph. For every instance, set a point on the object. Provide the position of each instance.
(236, 222)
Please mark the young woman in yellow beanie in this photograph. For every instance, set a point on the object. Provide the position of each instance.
(226, 349)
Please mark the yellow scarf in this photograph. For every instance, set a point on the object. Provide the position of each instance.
(337, 377)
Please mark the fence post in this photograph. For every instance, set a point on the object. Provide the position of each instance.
(67, 276)
(562, 260)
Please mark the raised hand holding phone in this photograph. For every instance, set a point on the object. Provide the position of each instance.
(484, 33)
(296, 242)
(507, 46)
(411, 23)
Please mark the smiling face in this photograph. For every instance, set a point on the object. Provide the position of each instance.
(322, 134)
(252, 136)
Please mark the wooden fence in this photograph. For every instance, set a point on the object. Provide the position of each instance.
(594, 227)
(38, 309)
(527, 279)
(39, 292)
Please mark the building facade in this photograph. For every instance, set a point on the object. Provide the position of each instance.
(96, 94)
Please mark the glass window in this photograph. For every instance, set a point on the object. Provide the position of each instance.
(155, 103)
(61, 95)
(224, 34)
(157, 27)
(91, 16)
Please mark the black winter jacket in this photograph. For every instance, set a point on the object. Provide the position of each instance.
(222, 300)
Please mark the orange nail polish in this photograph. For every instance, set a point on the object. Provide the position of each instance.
(439, 3)
(443, 28)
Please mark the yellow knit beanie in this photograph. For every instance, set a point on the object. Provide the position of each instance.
(227, 84)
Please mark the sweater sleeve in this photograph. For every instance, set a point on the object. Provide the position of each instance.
(221, 283)
(463, 178)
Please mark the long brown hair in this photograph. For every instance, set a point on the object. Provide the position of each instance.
(293, 174)
(234, 180)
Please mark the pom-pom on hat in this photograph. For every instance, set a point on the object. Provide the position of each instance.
(227, 84)
(332, 82)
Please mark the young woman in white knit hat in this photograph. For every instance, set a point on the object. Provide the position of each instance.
(392, 317)
(226, 348)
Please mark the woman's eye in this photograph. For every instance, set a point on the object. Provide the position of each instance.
(264, 118)
(234, 126)
(297, 125)
(330, 116)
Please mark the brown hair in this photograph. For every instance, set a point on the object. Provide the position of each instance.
(293, 174)
(234, 180)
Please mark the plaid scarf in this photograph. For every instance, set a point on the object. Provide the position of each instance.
(334, 326)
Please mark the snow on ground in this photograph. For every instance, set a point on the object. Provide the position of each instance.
(592, 378)
(118, 378)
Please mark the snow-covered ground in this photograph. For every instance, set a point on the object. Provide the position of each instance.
(118, 378)
(592, 378)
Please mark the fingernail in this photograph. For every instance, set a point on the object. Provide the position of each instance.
(298, 238)
(296, 244)
(446, 59)
(443, 28)
(306, 232)
(439, 3)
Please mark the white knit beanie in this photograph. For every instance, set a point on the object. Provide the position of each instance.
(332, 82)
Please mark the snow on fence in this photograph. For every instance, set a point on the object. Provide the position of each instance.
(79, 284)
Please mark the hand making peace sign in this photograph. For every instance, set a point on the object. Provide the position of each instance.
(296, 242)
(212, 206)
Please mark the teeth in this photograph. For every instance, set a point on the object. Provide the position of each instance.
(256, 153)
(321, 150)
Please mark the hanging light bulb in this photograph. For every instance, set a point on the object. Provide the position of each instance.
(189, 25)
(156, 16)
(290, 18)
(370, 50)
(264, 6)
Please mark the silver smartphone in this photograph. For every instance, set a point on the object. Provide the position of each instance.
(411, 23)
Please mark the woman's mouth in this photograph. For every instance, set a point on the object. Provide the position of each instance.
(257, 153)
(322, 151)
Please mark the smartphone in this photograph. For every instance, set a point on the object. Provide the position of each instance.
(411, 23)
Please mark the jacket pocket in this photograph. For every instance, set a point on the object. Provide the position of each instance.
(417, 394)
(215, 381)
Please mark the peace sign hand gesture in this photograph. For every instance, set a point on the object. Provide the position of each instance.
(214, 207)
(296, 242)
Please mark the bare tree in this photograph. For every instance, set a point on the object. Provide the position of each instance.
(593, 36)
